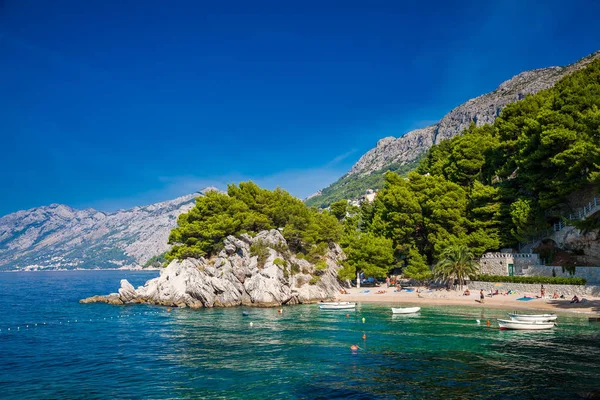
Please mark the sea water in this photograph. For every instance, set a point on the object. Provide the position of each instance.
(53, 347)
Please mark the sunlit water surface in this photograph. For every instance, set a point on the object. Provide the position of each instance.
(139, 352)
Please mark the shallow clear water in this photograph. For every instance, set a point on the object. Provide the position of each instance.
(138, 352)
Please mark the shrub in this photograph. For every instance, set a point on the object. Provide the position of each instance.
(317, 251)
(260, 250)
(305, 271)
(279, 262)
(286, 274)
(556, 280)
(295, 268)
(314, 280)
(320, 266)
(281, 248)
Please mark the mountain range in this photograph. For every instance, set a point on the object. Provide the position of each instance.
(60, 237)
(402, 154)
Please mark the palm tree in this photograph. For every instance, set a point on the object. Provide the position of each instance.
(456, 262)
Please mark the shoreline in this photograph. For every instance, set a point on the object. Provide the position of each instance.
(84, 269)
(591, 305)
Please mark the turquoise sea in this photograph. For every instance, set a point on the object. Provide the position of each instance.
(52, 347)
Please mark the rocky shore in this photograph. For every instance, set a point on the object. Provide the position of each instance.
(238, 276)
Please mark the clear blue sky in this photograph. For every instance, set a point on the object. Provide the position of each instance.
(110, 104)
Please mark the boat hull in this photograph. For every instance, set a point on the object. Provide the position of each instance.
(524, 325)
(533, 317)
(337, 306)
(405, 310)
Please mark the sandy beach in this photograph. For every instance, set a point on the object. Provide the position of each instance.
(591, 305)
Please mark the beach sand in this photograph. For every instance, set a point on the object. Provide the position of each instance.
(591, 305)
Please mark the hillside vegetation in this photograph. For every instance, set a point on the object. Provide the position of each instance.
(519, 171)
(355, 185)
(485, 189)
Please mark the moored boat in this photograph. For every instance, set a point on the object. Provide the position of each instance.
(533, 317)
(524, 325)
(338, 305)
(405, 310)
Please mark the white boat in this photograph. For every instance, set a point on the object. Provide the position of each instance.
(533, 317)
(405, 310)
(339, 305)
(524, 325)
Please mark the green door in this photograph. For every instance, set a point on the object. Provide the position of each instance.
(511, 270)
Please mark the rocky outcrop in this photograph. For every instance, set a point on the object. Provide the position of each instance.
(238, 277)
(480, 110)
(58, 236)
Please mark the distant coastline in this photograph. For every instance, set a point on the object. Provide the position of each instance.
(84, 269)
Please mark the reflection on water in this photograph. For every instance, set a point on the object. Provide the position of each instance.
(147, 352)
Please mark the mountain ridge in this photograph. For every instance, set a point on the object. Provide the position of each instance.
(410, 146)
(61, 237)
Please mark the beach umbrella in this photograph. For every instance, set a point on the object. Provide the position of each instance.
(498, 284)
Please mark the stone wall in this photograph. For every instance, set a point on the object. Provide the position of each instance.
(534, 289)
(497, 263)
(590, 274)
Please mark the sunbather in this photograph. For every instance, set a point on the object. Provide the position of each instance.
(575, 299)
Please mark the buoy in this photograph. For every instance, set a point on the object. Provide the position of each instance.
(363, 320)
(280, 310)
(354, 347)
(478, 322)
(488, 323)
(251, 323)
(364, 336)
(168, 310)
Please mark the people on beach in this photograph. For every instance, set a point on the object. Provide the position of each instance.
(481, 296)
(555, 295)
(543, 291)
(467, 292)
(387, 281)
(575, 299)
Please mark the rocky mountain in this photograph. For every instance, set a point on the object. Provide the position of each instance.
(60, 237)
(394, 153)
(236, 276)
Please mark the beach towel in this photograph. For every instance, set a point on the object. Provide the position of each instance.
(526, 298)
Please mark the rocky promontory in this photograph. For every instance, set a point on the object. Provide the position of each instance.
(253, 271)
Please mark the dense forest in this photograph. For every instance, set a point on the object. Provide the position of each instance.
(491, 187)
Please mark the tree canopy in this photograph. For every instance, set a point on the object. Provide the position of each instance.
(249, 209)
(519, 171)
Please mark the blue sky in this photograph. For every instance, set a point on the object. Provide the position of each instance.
(111, 104)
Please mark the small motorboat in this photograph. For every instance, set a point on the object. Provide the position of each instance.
(405, 310)
(524, 325)
(338, 305)
(533, 317)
